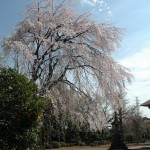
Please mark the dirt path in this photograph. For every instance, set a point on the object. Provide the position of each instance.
(142, 146)
(84, 148)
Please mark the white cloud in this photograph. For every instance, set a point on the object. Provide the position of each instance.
(109, 12)
(98, 6)
(139, 64)
(140, 60)
(89, 2)
(108, 8)
(94, 2)
(100, 9)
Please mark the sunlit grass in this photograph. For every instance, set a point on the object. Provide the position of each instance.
(102, 147)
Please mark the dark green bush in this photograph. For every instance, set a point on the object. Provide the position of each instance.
(55, 135)
(63, 144)
(103, 142)
(82, 144)
(48, 146)
(55, 144)
(20, 108)
(95, 143)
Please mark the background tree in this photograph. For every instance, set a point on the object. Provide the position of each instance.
(20, 108)
(54, 44)
(146, 134)
(133, 125)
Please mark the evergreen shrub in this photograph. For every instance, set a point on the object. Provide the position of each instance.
(82, 144)
(63, 144)
(55, 144)
(20, 108)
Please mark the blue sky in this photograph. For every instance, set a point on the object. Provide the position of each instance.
(134, 51)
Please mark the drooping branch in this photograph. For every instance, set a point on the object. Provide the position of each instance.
(52, 49)
(78, 90)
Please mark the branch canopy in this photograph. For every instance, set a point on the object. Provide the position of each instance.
(55, 44)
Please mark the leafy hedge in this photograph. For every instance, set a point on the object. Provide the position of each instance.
(20, 108)
(56, 144)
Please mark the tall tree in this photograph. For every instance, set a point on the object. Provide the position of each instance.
(133, 124)
(54, 44)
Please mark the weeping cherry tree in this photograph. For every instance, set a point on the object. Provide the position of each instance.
(55, 45)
